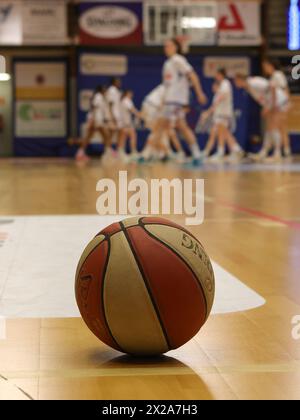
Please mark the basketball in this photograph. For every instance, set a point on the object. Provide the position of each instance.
(145, 286)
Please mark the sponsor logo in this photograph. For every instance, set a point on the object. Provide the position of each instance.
(197, 249)
(27, 112)
(232, 21)
(103, 64)
(110, 22)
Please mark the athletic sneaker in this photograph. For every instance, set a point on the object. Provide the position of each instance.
(81, 156)
(276, 158)
(235, 157)
(216, 158)
(257, 157)
(197, 161)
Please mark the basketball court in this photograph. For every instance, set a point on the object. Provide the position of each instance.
(249, 348)
(245, 350)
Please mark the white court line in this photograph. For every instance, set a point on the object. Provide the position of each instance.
(38, 275)
(287, 187)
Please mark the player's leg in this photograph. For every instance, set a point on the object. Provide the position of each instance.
(153, 141)
(221, 136)
(211, 141)
(81, 153)
(236, 152)
(191, 140)
(179, 156)
(275, 135)
(132, 134)
(285, 135)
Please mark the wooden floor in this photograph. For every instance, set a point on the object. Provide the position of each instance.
(252, 229)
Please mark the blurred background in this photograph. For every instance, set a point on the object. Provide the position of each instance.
(54, 54)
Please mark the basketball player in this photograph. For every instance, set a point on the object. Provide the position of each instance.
(206, 125)
(96, 123)
(113, 97)
(279, 81)
(271, 100)
(151, 112)
(178, 75)
(223, 116)
(128, 111)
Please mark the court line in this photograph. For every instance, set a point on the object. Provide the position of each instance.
(3, 378)
(157, 371)
(259, 214)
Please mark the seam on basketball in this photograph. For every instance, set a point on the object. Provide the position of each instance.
(102, 296)
(144, 277)
(141, 223)
(184, 261)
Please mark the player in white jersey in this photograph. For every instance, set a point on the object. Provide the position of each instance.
(113, 98)
(270, 100)
(151, 112)
(206, 124)
(178, 76)
(222, 110)
(96, 123)
(152, 105)
(279, 81)
(128, 111)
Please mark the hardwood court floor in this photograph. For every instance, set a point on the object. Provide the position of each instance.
(252, 229)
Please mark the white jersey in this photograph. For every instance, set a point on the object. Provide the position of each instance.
(98, 104)
(126, 111)
(279, 80)
(176, 81)
(224, 100)
(113, 97)
(261, 90)
(156, 96)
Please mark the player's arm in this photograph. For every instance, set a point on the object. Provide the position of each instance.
(195, 82)
(136, 112)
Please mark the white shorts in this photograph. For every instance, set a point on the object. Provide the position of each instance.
(99, 119)
(150, 113)
(116, 122)
(226, 121)
(173, 112)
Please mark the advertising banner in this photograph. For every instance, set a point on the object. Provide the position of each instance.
(239, 23)
(10, 23)
(44, 23)
(40, 93)
(111, 23)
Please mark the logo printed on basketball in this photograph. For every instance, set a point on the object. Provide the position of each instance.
(189, 243)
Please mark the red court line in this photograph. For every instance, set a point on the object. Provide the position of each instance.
(260, 214)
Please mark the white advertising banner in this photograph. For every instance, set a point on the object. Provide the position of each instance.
(239, 23)
(44, 22)
(10, 23)
(40, 119)
(33, 22)
(40, 92)
(233, 65)
(103, 64)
